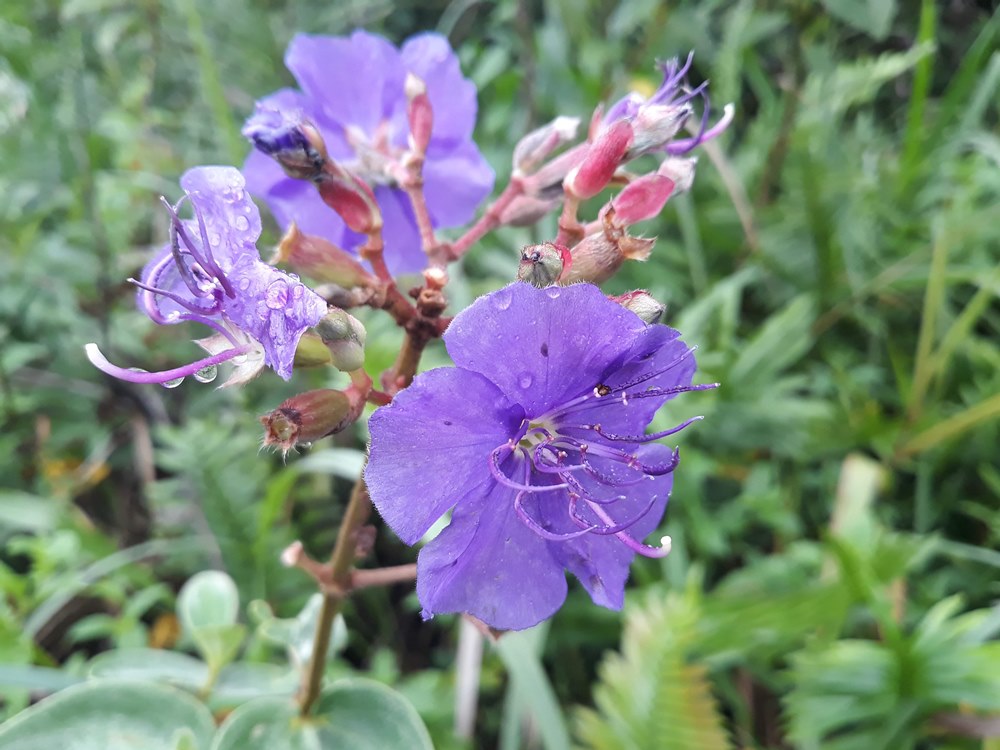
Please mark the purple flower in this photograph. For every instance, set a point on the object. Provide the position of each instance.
(352, 90)
(658, 118)
(211, 273)
(537, 439)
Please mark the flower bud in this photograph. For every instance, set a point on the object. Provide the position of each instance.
(309, 416)
(525, 210)
(311, 351)
(654, 125)
(603, 157)
(344, 336)
(419, 113)
(535, 147)
(642, 304)
(289, 139)
(321, 260)
(350, 197)
(598, 256)
(681, 171)
(543, 265)
(641, 199)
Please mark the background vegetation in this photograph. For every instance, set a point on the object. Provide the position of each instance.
(835, 518)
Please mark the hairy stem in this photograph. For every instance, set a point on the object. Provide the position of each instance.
(489, 221)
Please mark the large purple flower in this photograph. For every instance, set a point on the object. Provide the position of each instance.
(537, 439)
(352, 89)
(211, 273)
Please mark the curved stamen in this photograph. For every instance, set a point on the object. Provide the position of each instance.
(209, 257)
(215, 308)
(612, 530)
(532, 524)
(175, 250)
(633, 544)
(675, 148)
(640, 438)
(576, 488)
(499, 476)
(101, 363)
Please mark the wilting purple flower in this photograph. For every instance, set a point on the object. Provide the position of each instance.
(537, 439)
(211, 273)
(658, 118)
(352, 90)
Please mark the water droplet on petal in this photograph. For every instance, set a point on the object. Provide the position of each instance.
(207, 374)
(501, 299)
(242, 223)
(525, 379)
(276, 295)
(553, 291)
(172, 383)
(243, 284)
(214, 239)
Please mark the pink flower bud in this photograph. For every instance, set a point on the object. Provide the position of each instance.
(655, 125)
(641, 199)
(351, 198)
(544, 265)
(603, 157)
(680, 170)
(536, 146)
(321, 260)
(309, 416)
(642, 304)
(598, 256)
(525, 210)
(419, 113)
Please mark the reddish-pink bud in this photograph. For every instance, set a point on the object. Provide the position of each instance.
(536, 146)
(351, 198)
(641, 199)
(603, 157)
(309, 416)
(525, 210)
(680, 170)
(321, 260)
(419, 113)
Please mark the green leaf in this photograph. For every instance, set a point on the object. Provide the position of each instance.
(355, 713)
(30, 677)
(150, 665)
(871, 17)
(109, 716)
(650, 697)
(219, 644)
(208, 599)
(296, 634)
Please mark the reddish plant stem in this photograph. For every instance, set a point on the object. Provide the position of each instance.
(489, 221)
(570, 229)
(363, 579)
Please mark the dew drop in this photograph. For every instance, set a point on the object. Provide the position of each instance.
(276, 294)
(214, 239)
(525, 379)
(502, 299)
(553, 291)
(137, 369)
(243, 284)
(242, 223)
(172, 383)
(297, 291)
(304, 446)
(239, 359)
(207, 374)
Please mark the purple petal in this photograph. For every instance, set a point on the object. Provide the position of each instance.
(455, 183)
(231, 218)
(354, 80)
(429, 448)
(403, 250)
(453, 97)
(542, 347)
(659, 353)
(274, 308)
(488, 563)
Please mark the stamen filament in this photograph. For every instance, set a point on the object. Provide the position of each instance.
(101, 363)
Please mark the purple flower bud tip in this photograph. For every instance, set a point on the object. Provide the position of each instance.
(537, 439)
(272, 131)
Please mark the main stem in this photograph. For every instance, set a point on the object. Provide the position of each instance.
(358, 510)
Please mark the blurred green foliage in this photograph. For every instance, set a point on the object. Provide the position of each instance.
(835, 518)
